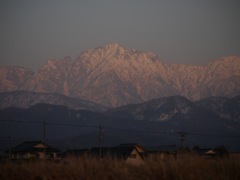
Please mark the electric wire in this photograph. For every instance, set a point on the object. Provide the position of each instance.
(119, 129)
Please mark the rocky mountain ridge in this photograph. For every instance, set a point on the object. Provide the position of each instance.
(26, 99)
(115, 76)
(155, 110)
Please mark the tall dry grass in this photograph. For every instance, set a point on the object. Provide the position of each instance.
(182, 168)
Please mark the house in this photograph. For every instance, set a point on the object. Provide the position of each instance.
(162, 152)
(75, 153)
(130, 153)
(33, 150)
(205, 152)
(210, 153)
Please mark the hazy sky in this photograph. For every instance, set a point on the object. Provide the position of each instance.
(180, 31)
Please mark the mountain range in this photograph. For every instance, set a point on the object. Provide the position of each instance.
(207, 122)
(114, 76)
(134, 95)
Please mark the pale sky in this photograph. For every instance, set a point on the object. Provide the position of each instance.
(178, 31)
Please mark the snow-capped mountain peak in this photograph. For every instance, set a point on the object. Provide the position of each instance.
(113, 75)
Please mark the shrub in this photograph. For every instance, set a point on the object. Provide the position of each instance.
(184, 167)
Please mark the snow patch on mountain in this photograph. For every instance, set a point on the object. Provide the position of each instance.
(113, 75)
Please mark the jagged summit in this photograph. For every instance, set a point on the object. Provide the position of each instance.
(113, 46)
(113, 76)
(109, 47)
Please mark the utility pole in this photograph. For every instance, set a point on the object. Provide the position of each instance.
(100, 135)
(44, 139)
(182, 138)
(9, 148)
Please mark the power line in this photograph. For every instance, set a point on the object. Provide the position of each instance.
(213, 135)
(49, 123)
(21, 121)
(139, 131)
(72, 125)
(120, 129)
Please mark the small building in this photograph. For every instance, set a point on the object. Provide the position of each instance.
(33, 150)
(75, 153)
(162, 152)
(205, 152)
(129, 153)
(210, 153)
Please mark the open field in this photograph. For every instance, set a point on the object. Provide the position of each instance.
(184, 167)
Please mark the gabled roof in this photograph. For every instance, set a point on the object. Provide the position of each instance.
(203, 151)
(209, 152)
(29, 146)
(169, 149)
(139, 148)
(123, 152)
(116, 152)
(75, 152)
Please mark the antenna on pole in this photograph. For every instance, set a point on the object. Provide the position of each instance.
(100, 140)
(182, 138)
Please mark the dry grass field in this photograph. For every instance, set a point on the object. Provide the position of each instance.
(182, 168)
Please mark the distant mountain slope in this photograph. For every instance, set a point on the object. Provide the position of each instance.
(214, 121)
(26, 99)
(115, 76)
(162, 109)
(183, 110)
(228, 108)
(14, 78)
